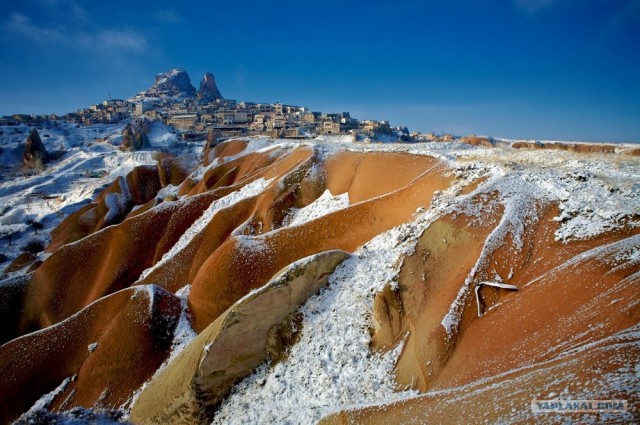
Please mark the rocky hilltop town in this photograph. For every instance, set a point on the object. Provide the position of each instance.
(175, 101)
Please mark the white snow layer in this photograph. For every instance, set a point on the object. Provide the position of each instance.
(92, 162)
(331, 366)
(161, 135)
(46, 399)
(247, 191)
(184, 333)
(325, 204)
(117, 203)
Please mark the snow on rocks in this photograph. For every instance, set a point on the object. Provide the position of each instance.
(325, 204)
(199, 225)
(592, 199)
(117, 203)
(40, 414)
(331, 366)
(46, 399)
(161, 135)
(183, 333)
(252, 244)
(92, 161)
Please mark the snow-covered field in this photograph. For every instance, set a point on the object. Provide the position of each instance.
(32, 205)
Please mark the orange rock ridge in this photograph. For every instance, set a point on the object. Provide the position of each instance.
(575, 301)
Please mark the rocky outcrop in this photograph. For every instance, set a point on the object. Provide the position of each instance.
(173, 170)
(135, 136)
(97, 357)
(174, 83)
(477, 141)
(211, 150)
(572, 147)
(578, 147)
(208, 88)
(211, 140)
(21, 261)
(110, 207)
(35, 155)
(190, 387)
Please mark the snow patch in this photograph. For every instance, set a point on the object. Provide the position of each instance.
(247, 191)
(184, 333)
(325, 204)
(46, 399)
(331, 366)
(161, 135)
(252, 244)
(117, 203)
(92, 162)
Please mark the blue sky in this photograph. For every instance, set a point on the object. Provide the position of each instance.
(544, 69)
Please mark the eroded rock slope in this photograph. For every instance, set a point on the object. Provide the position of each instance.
(290, 282)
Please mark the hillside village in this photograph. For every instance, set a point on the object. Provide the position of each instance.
(175, 102)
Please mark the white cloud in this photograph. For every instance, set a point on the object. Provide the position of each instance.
(21, 25)
(124, 40)
(111, 39)
(79, 12)
(70, 7)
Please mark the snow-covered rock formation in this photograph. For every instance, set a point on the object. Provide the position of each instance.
(208, 89)
(175, 85)
(279, 281)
